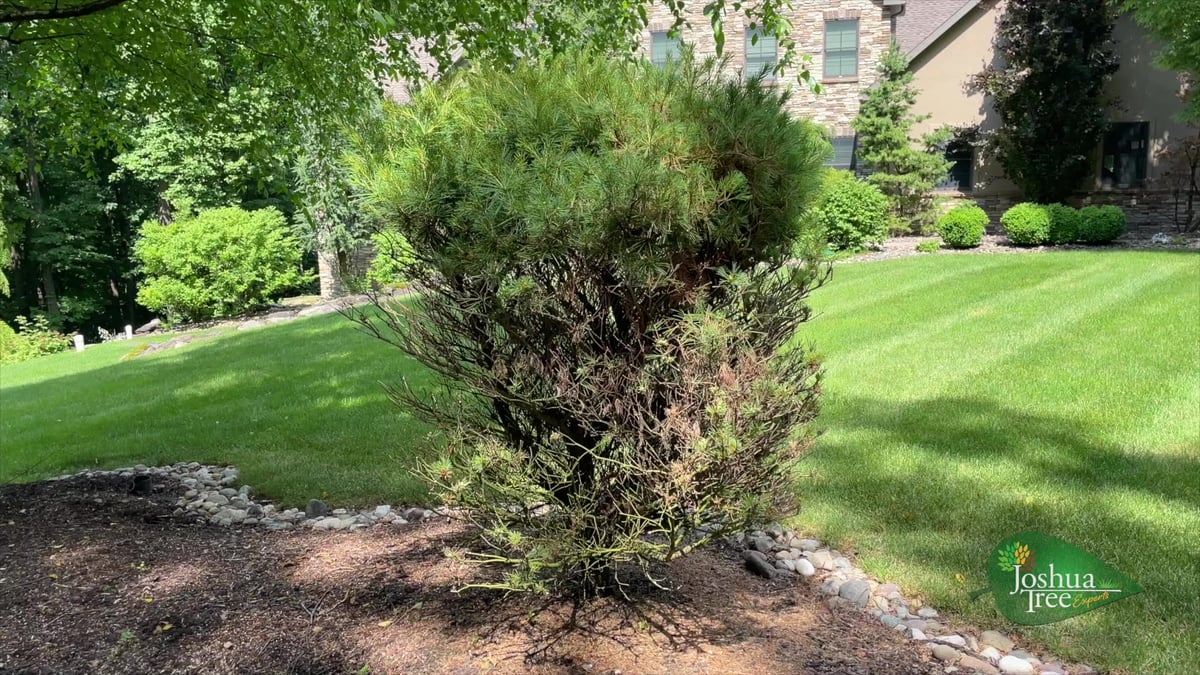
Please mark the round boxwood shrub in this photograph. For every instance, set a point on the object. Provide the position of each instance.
(1064, 224)
(1027, 224)
(1101, 224)
(220, 262)
(963, 226)
(852, 213)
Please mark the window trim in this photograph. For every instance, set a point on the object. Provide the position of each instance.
(825, 51)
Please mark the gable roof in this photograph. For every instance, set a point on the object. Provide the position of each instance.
(924, 21)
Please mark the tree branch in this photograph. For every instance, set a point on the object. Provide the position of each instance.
(56, 12)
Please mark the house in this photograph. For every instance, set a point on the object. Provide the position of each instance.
(947, 41)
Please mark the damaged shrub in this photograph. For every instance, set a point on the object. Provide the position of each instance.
(601, 249)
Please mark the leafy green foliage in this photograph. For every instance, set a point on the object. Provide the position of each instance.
(1101, 224)
(604, 248)
(35, 338)
(852, 213)
(1049, 93)
(906, 173)
(236, 157)
(219, 263)
(1064, 224)
(391, 266)
(1177, 24)
(1027, 224)
(929, 246)
(963, 226)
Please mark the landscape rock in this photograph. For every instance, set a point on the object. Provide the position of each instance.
(996, 639)
(1011, 665)
(821, 560)
(927, 613)
(972, 664)
(946, 653)
(805, 568)
(991, 654)
(316, 509)
(762, 544)
(757, 562)
(856, 591)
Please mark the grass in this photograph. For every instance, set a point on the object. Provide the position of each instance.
(297, 407)
(967, 398)
(970, 398)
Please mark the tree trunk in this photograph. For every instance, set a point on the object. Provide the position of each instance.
(34, 186)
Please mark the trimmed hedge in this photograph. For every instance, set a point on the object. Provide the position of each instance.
(1100, 224)
(851, 212)
(1027, 224)
(1064, 224)
(963, 226)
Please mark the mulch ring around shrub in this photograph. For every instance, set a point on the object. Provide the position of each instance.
(96, 580)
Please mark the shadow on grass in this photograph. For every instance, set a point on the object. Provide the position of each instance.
(928, 488)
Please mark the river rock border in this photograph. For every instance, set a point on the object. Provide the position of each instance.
(777, 552)
(212, 495)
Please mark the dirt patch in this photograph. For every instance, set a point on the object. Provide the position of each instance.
(93, 579)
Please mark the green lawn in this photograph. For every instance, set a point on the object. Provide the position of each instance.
(967, 398)
(970, 398)
(297, 407)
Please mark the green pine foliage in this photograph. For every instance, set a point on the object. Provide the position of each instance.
(604, 248)
(219, 263)
(1049, 93)
(963, 226)
(905, 168)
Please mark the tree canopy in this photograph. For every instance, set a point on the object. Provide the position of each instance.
(1177, 23)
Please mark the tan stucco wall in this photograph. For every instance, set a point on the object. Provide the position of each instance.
(1147, 92)
(941, 74)
(837, 105)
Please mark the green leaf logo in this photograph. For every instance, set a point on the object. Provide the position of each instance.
(1041, 579)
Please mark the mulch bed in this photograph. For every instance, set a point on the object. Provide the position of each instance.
(95, 580)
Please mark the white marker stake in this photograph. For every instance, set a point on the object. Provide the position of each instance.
(78, 343)
(128, 332)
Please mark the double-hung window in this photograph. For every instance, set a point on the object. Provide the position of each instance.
(841, 49)
(663, 48)
(762, 53)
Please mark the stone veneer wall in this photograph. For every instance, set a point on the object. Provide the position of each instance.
(837, 105)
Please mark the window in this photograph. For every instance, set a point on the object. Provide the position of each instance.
(1126, 146)
(959, 176)
(841, 48)
(663, 48)
(761, 54)
(843, 153)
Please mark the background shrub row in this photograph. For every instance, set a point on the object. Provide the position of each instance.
(1031, 224)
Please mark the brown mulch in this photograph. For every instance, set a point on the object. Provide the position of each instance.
(95, 580)
(906, 247)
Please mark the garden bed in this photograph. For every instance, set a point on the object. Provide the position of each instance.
(94, 579)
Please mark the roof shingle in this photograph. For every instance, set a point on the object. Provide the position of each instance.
(922, 17)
